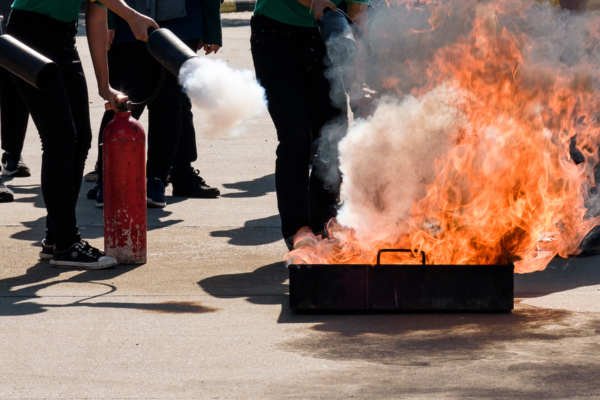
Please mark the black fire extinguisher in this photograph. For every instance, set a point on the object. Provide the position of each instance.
(26, 63)
(336, 30)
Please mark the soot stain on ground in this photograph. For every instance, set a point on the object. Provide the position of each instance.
(430, 339)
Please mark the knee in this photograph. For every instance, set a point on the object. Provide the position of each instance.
(294, 150)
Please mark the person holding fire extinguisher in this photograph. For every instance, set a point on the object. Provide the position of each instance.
(61, 113)
(290, 61)
(171, 133)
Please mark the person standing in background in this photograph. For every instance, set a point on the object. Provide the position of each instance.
(171, 133)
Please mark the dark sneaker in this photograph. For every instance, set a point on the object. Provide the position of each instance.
(189, 183)
(82, 256)
(14, 166)
(100, 195)
(155, 193)
(47, 252)
(92, 176)
(92, 193)
(6, 195)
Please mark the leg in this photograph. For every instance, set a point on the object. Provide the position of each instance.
(122, 78)
(281, 63)
(76, 86)
(164, 127)
(14, 115)
(325, 180)
(51, 112)
(186, 148)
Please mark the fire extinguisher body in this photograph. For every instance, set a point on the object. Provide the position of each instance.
(125, 219)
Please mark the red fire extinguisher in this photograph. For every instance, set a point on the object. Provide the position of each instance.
(125, 220)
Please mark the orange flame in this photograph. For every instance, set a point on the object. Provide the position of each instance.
(507, 189)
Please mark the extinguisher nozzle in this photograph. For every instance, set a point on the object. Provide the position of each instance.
(169, 50)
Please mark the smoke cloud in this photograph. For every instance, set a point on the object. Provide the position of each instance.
(387, 161)
(484, 139)
(227, 96)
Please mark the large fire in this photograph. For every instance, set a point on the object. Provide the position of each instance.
(501, 109)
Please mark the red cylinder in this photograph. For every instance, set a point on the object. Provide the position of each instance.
(125, 221)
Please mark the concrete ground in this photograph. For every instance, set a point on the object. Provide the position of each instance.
(207, 316)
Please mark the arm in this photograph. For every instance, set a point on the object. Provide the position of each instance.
(358, 96)
(358, 13)
(211, 21)
(139, 23)
(97, 33)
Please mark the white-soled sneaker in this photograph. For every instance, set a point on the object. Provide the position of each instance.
(82, 256)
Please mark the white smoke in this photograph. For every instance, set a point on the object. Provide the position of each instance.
(388, 160)
(228, 96)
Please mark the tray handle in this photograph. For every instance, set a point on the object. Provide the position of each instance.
(397, 251)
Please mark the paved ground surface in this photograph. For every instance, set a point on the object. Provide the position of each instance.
(207, 316)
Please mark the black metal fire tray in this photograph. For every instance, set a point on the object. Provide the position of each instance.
(401, 287)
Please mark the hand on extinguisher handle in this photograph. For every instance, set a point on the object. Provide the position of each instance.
(119, 102)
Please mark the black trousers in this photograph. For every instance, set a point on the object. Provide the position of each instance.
(171, 133)
(14, 115)
(290, 65)
(61, 115)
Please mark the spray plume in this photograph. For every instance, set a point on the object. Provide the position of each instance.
(467, 156)
(228, 96)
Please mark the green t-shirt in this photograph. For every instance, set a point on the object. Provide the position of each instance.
(61, 10)
(291, 11)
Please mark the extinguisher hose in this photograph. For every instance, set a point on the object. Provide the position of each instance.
(130, 105)
(359, 33)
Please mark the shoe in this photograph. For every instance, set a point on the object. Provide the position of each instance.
(92, 176)
(92, 193)
(189, 183)
(14, 166)
(47, 252)
(6, 195)
(155, 193)
(82, 256)
(100, 195)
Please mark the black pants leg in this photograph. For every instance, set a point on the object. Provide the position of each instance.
(167, 114)
(117, 67)
(187, 151)
(289, 63)
(61, 115)
(14, 115)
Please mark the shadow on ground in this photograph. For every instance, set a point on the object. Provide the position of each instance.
(254, 188)
(255, 232)
(17, 293)
(90, 227)
(562, 274)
